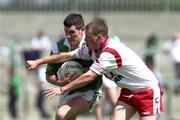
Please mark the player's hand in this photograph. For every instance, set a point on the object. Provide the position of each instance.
(52, 92)
(31, 64)
(69, 78)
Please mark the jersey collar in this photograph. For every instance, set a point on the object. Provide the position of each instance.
(104, 43)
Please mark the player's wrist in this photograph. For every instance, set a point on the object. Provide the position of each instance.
(61, 89)
(39, 61)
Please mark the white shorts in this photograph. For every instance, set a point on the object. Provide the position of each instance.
(92, 96)
(107, 83)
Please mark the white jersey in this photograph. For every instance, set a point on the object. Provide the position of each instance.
(120, 64)
(173, 47)
(42, 43)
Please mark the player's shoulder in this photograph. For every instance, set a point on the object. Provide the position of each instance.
(58, 41)
(60, 45)
(61, 40)
(114, 37)
(114, 40)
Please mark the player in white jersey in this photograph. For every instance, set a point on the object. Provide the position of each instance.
(140, 89)
(110, 91)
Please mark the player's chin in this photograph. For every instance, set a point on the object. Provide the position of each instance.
(76, 38)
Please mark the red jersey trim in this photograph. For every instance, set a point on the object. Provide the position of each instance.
(116, 55)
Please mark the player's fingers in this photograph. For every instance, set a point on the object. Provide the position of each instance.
(66, 78)
(30, 68)
(27, 66)
(74, 76)
(50, 91)
(47, 91)
(49, 94)
(66, 74)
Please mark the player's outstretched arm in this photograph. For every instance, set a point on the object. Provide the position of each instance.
(56, 58)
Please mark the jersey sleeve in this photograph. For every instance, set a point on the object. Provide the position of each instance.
(109, 60)
(57, 47)
(82, 53)
(52, 68)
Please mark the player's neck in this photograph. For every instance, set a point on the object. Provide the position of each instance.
(102, 44)
(74, 44)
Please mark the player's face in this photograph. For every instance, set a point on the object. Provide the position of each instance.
(73, 33)
(93, 41)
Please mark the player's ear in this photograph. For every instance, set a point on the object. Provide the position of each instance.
(99, 37)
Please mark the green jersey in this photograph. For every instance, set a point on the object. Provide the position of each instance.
(64, 46)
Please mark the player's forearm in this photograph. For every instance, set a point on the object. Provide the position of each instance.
(55, 58)
(49, 59)
(77, 83)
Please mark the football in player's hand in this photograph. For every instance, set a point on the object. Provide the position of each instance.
(70, 69)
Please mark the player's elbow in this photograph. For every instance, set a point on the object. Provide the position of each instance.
(90, 78)
(90, 75)
(50, 78)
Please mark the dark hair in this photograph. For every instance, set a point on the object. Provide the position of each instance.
(74, 19)
(96, 27)
(100, 19)
(149, 60)
(151, 40)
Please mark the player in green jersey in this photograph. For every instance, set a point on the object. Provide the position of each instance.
(80, 100)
